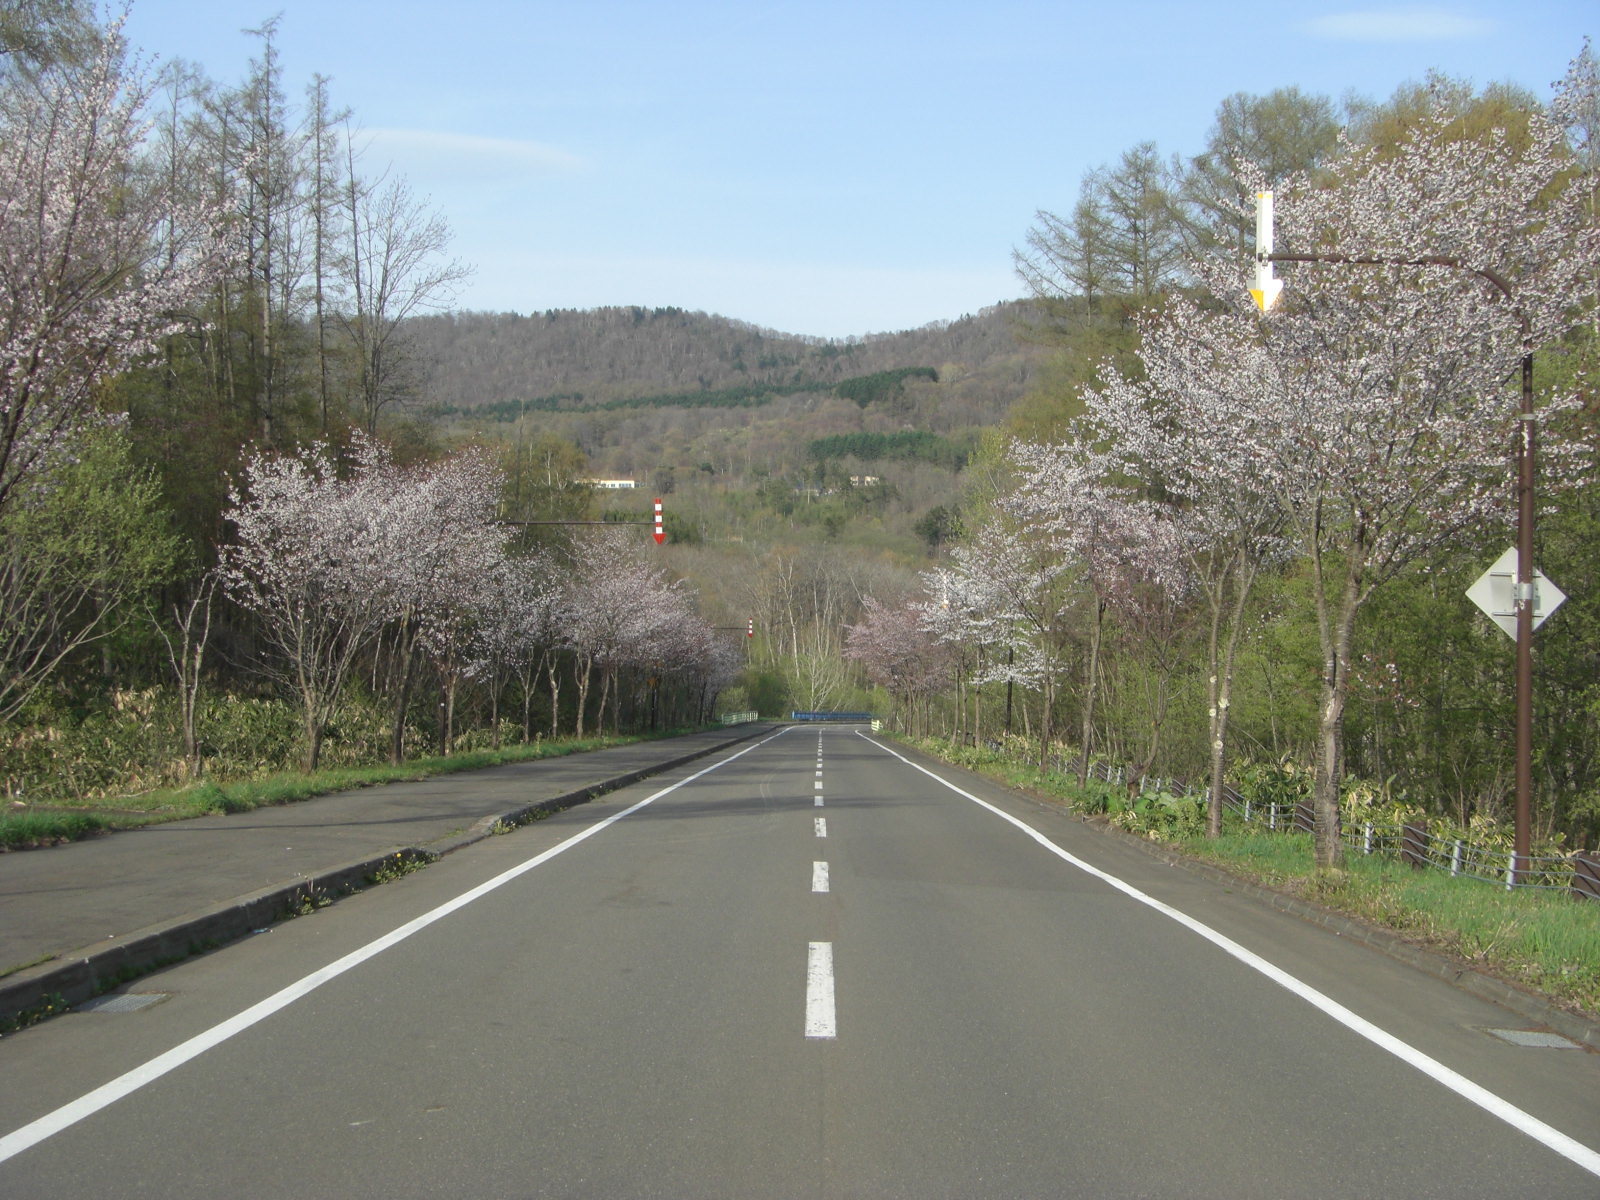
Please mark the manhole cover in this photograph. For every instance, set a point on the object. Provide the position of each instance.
(126, 1003)
(1532, 1037)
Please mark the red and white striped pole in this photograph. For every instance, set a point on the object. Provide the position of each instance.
(661, 532)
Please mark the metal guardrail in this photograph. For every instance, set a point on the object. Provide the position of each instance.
(738, 718)
(1578, 873)
(830, 716)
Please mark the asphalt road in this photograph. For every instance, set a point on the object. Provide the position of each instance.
(810, 969)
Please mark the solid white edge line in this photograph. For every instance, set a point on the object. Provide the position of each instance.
(1547, 1135)
(821, 1019)
(819, 877)
(87, 1105)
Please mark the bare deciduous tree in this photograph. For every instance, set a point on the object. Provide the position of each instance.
(396, 270)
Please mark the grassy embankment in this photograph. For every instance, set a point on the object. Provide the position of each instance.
(46, 825)
(1546, 941)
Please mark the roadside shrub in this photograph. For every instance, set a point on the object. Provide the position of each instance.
(127, 745)
(134, 743)
(487, 738)
(1098, 797)
(242, 737)
(1284, 783)
(1162, 815)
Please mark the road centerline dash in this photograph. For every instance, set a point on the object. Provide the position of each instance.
(821, 1016)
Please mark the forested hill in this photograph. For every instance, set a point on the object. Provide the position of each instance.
(598, 357)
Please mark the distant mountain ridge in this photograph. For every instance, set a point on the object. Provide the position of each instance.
(604, 357)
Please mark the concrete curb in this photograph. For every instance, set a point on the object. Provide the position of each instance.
(1532, 1006)
(69, 979)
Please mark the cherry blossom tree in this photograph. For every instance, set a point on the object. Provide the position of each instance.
(1175, 428)
(667, 644)
(96, 255)
(517, 633)
(960, 615)
(898, 654)
(1124, 552)
(1019, 590)
(1376, 410)
(718, 663)
(614, 597)
(1155, 614)
(1576, 109)
(443, 546)
(976, 604)
(310, 558)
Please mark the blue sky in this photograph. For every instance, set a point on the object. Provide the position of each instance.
(824, 168)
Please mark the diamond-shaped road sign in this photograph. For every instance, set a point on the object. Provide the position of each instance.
(1495, 591)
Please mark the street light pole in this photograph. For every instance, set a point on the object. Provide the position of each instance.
(1265, 293)
(1524, 603)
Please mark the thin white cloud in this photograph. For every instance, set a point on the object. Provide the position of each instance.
(405, 145)
(1400, 25)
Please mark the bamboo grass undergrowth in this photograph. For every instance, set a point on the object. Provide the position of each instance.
(49, 825)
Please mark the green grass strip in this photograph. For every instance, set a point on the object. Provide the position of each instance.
(51, 825)
(1545, 940)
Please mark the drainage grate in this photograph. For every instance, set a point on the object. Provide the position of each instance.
(1532, 1037)
(126, 1003)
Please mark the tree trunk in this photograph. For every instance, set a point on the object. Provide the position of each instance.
(1158, 722)
(1219, 687)
(605, 694)
(1090, 676)
(584, 677)
(313, 751)
(553, 672)
(448, 682)
(397, 731)
(1047, 692)
(1334, 630)
(1011, 658)
(1330, 768)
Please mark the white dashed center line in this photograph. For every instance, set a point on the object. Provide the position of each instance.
(820, 1019)
(820, 1015)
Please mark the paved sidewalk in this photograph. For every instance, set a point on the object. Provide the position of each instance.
(78, 918)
